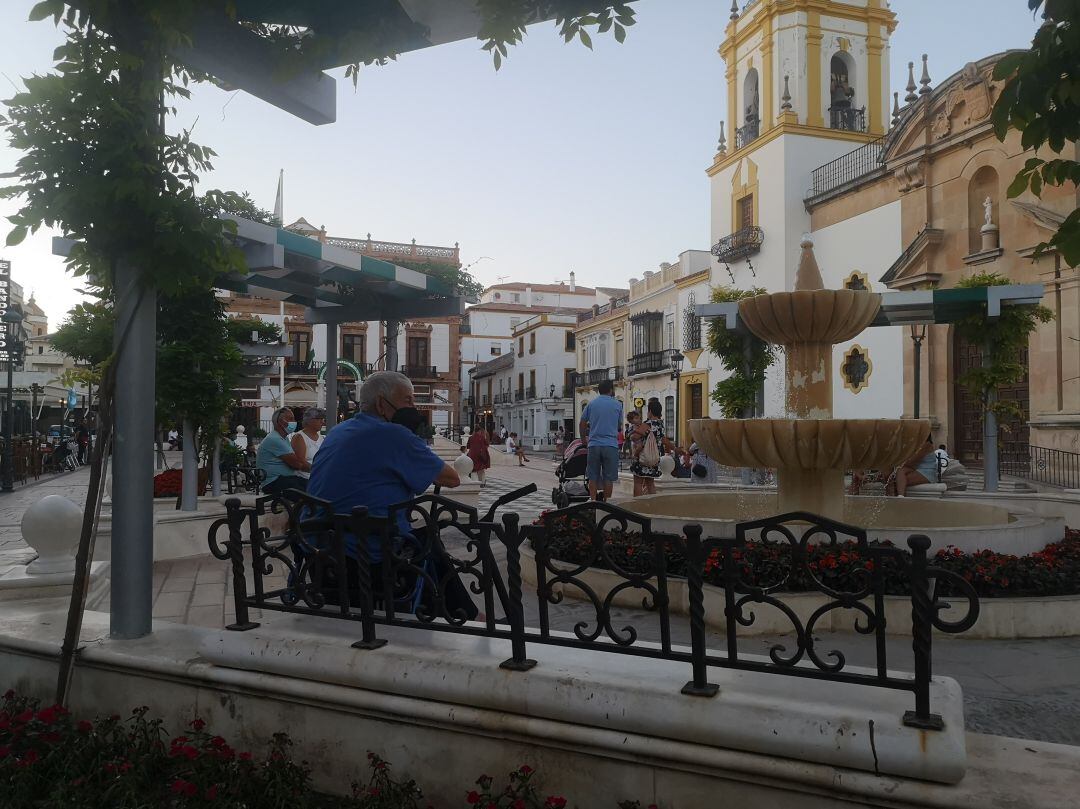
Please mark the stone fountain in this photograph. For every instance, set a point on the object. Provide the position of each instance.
(810, 450)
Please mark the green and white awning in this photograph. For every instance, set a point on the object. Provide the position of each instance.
(335, 284)
(921, 306)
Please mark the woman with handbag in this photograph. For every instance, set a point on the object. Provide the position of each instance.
(646, 440)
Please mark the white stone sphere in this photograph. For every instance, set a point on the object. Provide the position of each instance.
(463, 465)
(667, 465)
(51, 526)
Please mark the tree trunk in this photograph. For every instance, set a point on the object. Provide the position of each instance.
(189, 494)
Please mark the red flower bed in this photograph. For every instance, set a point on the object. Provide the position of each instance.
(168, 483)
(1053, 571)
(48, 758)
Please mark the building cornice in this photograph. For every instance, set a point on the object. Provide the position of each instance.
(690, 280)
(725, 159)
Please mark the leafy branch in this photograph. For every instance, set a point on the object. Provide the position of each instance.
(744, 356)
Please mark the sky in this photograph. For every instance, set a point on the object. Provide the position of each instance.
(565, 159)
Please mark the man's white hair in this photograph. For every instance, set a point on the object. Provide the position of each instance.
(381, 385)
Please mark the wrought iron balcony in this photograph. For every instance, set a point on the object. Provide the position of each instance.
(650, 362)
(503, 398)
(519, 396)
(303, 368)
(485, 400)
(847, 168)
(740, 244)
(747, 133)
(530, 393)
(847, 118)
(420, 371)
(584, 379)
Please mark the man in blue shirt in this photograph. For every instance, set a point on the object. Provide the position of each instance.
(376, 459)
(600, 422)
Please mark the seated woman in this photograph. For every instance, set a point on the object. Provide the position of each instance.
(375, 459)
(922, 467)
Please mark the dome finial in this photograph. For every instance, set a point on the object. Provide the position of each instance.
(785, 99)
(734, 9)
(910, 97)
(895, 108)
(925, 80)
(721, 145)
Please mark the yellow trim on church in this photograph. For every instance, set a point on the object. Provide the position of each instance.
(739, 189)
(725, 159)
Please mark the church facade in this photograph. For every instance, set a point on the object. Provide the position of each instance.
(900, 191)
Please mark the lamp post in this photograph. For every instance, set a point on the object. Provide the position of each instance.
(35, 389)
(918, 334)
(12, 320)
(676, 372)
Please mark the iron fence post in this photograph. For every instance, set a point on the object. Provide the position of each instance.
(699, 686)
(921, 632)
(235, 546)
(515, 612)
(358, 526)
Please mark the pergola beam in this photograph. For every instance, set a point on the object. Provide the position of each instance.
(388, 310)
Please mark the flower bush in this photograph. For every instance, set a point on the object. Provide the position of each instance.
(50, 759)
(1055, 570)
(168, 483)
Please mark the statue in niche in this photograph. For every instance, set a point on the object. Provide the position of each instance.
(988, 211)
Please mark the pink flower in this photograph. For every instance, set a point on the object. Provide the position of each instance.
(525, 769)
(197, 724)
(84, 726)
(555, 802)
(182, 787)
(211, 793)
(472, 797)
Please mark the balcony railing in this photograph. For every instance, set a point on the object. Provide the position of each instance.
(650, 362)
(392, 250)
(584, 379)
(303, 368)
(485, 400)
(747, 133)
(740, 244)
(530, 393)
(503, 398)
(600, 311)
(847, 168)
(519, 396)
(847, 118)
(420, 371)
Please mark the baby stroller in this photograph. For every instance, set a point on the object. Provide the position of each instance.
(573, 487)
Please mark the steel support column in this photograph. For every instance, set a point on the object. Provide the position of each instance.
(132, 544)
(392, 329)
(189, 493)
(331, 374)
(990, 435)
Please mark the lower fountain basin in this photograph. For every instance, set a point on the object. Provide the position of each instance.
(970, 525)
(810, 444)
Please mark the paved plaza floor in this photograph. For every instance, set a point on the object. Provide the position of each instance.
(1024, 688)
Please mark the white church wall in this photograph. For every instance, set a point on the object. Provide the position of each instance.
(869, 243)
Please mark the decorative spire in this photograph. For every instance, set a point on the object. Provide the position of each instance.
(808, 276)
(785, 99)
(734, 9)
(721, 146)
(925, 80)
(910, 97)
(895, 108)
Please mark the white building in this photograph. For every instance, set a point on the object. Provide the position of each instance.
(488, 330)
(806, 87)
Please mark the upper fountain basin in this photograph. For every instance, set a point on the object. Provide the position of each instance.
(809, 316)
(810, 443)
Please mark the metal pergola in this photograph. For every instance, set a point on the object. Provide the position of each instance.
(225, 47)
(929, 306)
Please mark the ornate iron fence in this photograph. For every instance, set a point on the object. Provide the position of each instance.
(1053, 467)
(413, 583)
(740, 244)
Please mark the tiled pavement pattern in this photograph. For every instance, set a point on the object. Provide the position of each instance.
(1029, 689)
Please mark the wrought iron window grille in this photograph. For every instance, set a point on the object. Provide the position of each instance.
(323, 579)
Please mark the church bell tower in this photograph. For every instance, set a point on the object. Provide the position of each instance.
(807, 82)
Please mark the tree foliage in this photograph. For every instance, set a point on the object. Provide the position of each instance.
(1002, 338)
(744, 356)
(1041, 100)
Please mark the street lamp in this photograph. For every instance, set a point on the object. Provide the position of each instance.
(12, 320)
(676, 372)
(918, 334)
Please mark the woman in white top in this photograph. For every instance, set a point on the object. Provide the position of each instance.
(307, 441)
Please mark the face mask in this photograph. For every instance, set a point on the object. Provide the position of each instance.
(290, 427)
(408, 417)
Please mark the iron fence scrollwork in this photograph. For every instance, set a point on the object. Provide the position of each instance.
(365, 569)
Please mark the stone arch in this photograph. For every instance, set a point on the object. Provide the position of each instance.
(751, 97)
(842, 91)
